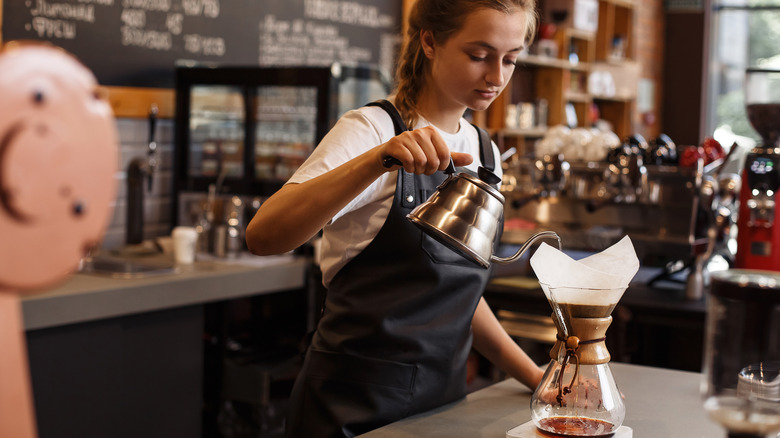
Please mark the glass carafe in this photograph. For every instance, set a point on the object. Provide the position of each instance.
(578, 396)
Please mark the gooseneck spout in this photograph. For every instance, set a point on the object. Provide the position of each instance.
(527, 244)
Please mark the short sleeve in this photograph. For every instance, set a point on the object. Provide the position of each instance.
(355, 133)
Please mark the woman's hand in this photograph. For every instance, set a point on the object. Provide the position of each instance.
(421, 151)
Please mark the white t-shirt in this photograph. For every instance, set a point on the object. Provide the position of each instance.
(356, 225)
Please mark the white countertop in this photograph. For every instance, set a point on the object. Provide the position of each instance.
(659, 403)
(86, 297)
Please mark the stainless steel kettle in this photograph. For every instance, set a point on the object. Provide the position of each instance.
(464, 214)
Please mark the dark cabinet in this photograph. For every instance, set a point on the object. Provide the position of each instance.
(131, 376)
(244, 130)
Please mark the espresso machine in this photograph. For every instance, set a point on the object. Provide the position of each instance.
(758, 240)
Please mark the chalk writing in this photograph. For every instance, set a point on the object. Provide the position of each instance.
(194, 43)
(64, 11)
(174, 23)
(148, 5)
(207, 8)
(46, 28)
(149, 39)
(98, 2)
(134, 17)
(348, 12)
(134, 42)
(315, 42)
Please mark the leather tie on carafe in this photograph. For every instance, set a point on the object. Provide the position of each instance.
(572, 344)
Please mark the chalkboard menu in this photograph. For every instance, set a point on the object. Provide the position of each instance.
(138, 42)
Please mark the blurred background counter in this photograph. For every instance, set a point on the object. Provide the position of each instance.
(130, 357)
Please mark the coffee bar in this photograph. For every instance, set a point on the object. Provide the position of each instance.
(626, 235)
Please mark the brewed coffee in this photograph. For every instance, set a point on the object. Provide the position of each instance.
(587, 310)
(575, 427)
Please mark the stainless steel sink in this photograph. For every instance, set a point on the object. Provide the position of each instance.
(121, 268)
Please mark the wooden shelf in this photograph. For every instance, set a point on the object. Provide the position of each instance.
(623, 3)
(613, 98)
(574, 96)
(550, 62)
(615, 62)
(617, 112)
(616, 19)
(581, 34)
(537, 132)
(134, 102)
(561, 82)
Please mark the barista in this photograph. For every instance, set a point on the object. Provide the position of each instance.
(401, 309)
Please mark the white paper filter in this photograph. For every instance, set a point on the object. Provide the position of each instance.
(599, 279)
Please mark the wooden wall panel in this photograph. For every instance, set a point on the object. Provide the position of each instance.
(135, 102)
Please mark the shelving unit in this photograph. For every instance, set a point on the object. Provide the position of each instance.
(616, 54)
(564, 81)
(616, 23)
(559, 81)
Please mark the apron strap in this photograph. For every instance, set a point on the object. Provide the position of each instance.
(395, 116)
(407, 180)
(485, 149)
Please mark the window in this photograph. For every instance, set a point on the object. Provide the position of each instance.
(745, 33)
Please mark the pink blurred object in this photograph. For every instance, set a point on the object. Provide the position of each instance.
(58, 158)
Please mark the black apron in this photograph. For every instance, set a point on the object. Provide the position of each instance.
(395, 331)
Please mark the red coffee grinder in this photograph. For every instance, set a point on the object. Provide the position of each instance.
(758, 238)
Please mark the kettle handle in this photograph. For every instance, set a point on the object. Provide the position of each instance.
(527, 244)
(390, 161)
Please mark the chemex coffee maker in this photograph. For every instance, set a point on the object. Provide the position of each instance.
(578, 396)
(758, 240)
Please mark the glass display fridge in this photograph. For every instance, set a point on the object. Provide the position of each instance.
(241, 132)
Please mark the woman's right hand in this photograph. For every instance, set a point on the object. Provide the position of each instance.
(421, 151)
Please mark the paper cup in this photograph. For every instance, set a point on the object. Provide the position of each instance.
(185, 240)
